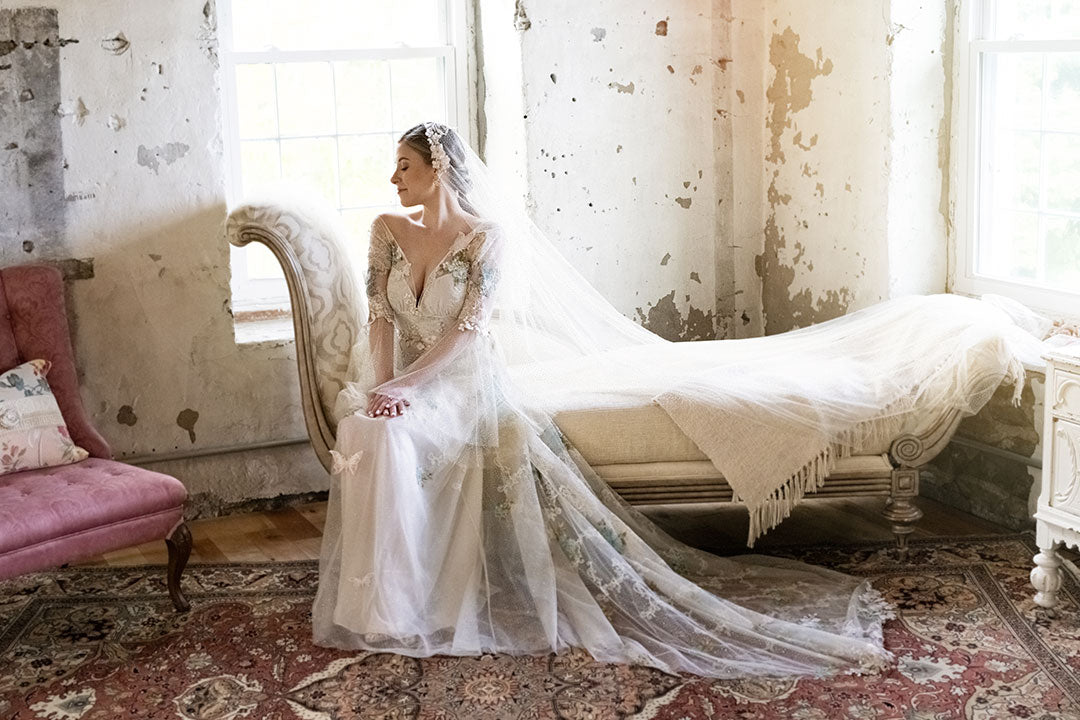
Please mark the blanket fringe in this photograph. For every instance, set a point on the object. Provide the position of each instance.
(779, 504)
(871, 433)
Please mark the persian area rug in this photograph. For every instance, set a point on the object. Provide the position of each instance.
(87, 643)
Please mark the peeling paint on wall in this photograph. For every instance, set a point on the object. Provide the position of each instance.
(944, 146)
(208, 36)
(115, 44)
(186, 420)
(167, 153)
(127, 416)
(789, 93)
(521, 18)
(664, 319)
(636, 221)
(790, 89)
(32, 210)
(75, 109)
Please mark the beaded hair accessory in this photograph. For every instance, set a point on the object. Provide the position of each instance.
(439, 159)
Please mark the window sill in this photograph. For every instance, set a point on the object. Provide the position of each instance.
(273, 330)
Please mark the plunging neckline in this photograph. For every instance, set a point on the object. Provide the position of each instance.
(417, 298)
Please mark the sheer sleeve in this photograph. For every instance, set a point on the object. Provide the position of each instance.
(380, 315)
(485, 253)
(380, 258)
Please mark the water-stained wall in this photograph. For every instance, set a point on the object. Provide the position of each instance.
(111, 165)
(839, 130)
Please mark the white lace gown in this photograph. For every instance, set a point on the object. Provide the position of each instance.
(468, 525)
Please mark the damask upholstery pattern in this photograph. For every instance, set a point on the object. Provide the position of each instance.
(33, 325)
(330, 306)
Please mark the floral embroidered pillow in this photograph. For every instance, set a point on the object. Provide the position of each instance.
(32, 430)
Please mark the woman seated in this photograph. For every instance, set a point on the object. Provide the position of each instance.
(462, 522)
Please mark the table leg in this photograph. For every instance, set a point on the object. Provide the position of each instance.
(1046, 576)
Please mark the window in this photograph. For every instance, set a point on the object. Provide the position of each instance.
(1018, 211)
(317, 94)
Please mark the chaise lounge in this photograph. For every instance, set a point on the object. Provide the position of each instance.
(632, 444)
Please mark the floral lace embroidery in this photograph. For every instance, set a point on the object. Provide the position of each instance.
(382, 256)
(483, 276)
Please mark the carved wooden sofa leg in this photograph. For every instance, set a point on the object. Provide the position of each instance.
(179, 543)
(899, 508)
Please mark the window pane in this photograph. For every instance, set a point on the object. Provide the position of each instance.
(1009, 248)
(358, 225)
(1063, 91)
(417, 90)
(311, 162)
(1035, 19)
(1063, 252)
(1014, 169)
(1015, 85)
(336, 24)
(259, 164)
(261, 263)
(367, 161)
(1063, 172)
(305, 98)
(256, 101)
(363, 96)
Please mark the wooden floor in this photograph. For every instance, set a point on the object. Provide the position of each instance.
(295, 533)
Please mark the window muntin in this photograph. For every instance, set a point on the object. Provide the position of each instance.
(1020, 141)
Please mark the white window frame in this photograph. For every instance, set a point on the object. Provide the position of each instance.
(262, 294)
(971, 23)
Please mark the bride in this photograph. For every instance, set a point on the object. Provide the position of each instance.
(461, 521)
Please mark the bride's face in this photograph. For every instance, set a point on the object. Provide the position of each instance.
(414, 178)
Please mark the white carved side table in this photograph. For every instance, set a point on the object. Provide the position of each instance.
(1057, 520)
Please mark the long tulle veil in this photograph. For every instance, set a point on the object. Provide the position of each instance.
(565, 560)
(842, 387)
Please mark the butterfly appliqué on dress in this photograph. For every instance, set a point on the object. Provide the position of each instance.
(342, 464)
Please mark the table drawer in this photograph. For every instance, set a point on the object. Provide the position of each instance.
(1065, 471)
(1066, 397)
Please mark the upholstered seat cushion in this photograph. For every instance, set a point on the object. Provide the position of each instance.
(610, 432)
(55, 515)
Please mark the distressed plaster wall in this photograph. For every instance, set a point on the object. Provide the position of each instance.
(621, 150)
(110, 152)
(715, 167)
(841, 139)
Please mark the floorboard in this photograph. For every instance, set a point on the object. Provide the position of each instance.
(295, 533)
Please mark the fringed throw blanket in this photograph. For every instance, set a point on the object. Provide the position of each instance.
(773, 414)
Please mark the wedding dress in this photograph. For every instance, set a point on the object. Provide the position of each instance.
(469, 524)
(452, 537)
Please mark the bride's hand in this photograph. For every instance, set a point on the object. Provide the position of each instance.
(382, 405)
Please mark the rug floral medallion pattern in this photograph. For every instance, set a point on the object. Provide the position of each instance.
(86, 643)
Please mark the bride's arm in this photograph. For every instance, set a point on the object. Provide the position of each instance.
(486, 254)
(380, 316)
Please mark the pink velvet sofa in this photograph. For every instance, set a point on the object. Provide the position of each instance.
(59, 515)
